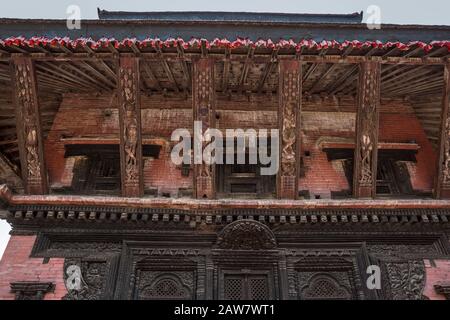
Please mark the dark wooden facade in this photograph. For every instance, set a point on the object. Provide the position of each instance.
(132, 242)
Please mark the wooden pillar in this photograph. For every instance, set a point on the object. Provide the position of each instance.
(131, 163)
(442, 185)
(203, 105)
(289, 107)
(29, 132)
(367, 117)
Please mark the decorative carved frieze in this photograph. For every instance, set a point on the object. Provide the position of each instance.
(442, 188)
(402, 251)
(29, 126)
(84, 279)
(130, 127)
(203, 104)
(246, 235)
(30, 290)
(183, 218)
(289, 119)
(365, 166)
(165, 285)
(406, 279)
(321, 286)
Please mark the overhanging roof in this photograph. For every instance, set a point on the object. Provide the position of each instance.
(208, 16)
(210, 30)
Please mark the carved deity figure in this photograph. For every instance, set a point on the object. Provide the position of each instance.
(130, 150)
(130, 124)
(23, 74)
(289, 139)
(366, 160)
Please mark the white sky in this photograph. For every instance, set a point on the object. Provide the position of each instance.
(399, 11)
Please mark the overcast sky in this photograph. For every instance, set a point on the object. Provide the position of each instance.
(398, 11)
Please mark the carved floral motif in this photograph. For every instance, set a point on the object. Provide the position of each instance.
(246, 235)
(407, 279)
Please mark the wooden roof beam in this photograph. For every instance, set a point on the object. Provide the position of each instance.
(60, 75)
(167, 69)
(268, 69)
(317, 84)
(148, 71)
(93, 80)
(313, 67)
(184, 66)
(104, 65)
(226, 69)
(98, 74)
(245, 69)
(402, 80)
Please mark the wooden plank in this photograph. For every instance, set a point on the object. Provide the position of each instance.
(289, 108)
(130, 127)
(203, 105)
(367, 117)
(28, 123)
(381, 145)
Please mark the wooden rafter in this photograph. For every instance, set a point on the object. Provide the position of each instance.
(268, 69)
(245, 69)
(184, 66)
(226, 70)
(148, 71)
(167, 69)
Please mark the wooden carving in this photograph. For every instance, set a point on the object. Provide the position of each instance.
(367, 130)
(246, 235)
(130, 127)
(442, 188)
(203, 97)
(91, 282)
(407, 280)
(28, 126)
(289, 110)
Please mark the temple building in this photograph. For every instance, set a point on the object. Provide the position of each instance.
(100, 210)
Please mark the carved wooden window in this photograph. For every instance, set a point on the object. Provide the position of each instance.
(97, 174)
(243, 180)
(246, 287)
(165, 288)
(392, 172)
(28, 290)
(97, 167)
(324, 287)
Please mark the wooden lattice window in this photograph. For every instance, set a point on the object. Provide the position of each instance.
(246, 287)
(165, 288)
(324, 287)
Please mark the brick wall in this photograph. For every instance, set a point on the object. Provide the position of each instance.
(437, 271)
(84, 116)
(16, 265)
(405, 127)
(322, 176)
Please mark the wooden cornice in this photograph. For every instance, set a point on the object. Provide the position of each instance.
(10, 199)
